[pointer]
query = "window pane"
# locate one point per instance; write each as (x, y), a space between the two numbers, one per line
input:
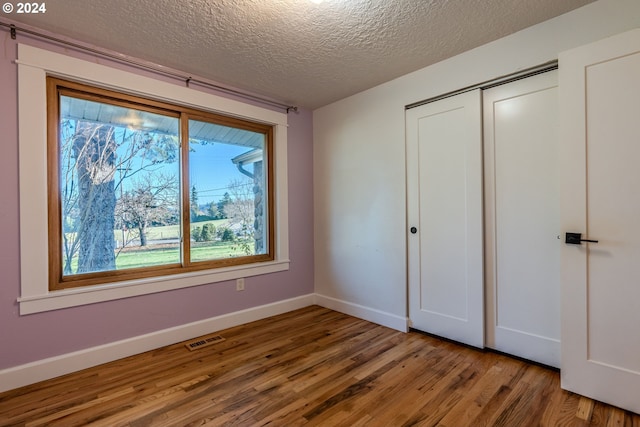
(227, 192)
(119, 187)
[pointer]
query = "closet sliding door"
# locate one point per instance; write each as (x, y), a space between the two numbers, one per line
(444, 193)
(522, 218)
(483, 217)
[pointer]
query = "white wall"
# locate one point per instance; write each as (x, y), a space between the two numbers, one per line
(359, 159)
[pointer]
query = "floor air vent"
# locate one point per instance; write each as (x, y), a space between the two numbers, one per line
(203, 342)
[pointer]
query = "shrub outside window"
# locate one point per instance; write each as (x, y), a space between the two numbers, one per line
(140, 188)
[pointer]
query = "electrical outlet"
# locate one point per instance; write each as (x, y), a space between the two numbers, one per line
(240, 284)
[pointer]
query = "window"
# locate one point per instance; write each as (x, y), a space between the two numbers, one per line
(142, 188)
(146, 98)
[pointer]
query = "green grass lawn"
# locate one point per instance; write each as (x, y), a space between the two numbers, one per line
(145, 257)
(136, 256)
(150, 256)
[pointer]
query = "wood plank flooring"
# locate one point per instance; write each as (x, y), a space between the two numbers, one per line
(310, 367)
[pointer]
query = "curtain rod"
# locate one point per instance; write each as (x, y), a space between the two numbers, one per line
(155, 68)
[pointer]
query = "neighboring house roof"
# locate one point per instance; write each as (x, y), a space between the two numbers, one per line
(79, 109)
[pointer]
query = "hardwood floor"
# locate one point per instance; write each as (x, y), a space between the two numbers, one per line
(310, 367)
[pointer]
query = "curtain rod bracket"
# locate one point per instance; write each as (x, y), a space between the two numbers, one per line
(292, 108)
(13, 32)
(188, 81)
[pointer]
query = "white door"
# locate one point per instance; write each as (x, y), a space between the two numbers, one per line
(600, 198)
(522, 218)
(444, 173)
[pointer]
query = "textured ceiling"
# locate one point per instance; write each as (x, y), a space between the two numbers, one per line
(295, 51)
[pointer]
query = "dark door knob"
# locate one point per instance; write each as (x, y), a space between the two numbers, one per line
(576, 239)
(414, 230)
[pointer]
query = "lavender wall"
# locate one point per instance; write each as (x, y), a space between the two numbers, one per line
(33, 337)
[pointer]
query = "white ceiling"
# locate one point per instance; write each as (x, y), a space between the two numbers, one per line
(294, 51)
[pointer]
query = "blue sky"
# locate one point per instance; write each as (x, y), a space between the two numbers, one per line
(211, 170)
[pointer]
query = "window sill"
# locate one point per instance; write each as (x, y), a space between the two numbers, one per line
(92, 294)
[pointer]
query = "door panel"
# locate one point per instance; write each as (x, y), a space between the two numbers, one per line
(522, 218)
(600, 181)
(444, 172)
(613, 207)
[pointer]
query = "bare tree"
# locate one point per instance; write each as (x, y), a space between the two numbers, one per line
(153, 199)
(240, 209)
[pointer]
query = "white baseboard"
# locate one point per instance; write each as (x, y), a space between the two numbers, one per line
(371, 314)
(40, 370)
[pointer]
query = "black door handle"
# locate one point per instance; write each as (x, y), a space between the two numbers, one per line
(576, 239)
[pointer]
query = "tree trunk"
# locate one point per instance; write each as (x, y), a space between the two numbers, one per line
(143, 234)
(94, 150)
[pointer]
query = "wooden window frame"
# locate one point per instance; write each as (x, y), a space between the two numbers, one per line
(57, 281)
